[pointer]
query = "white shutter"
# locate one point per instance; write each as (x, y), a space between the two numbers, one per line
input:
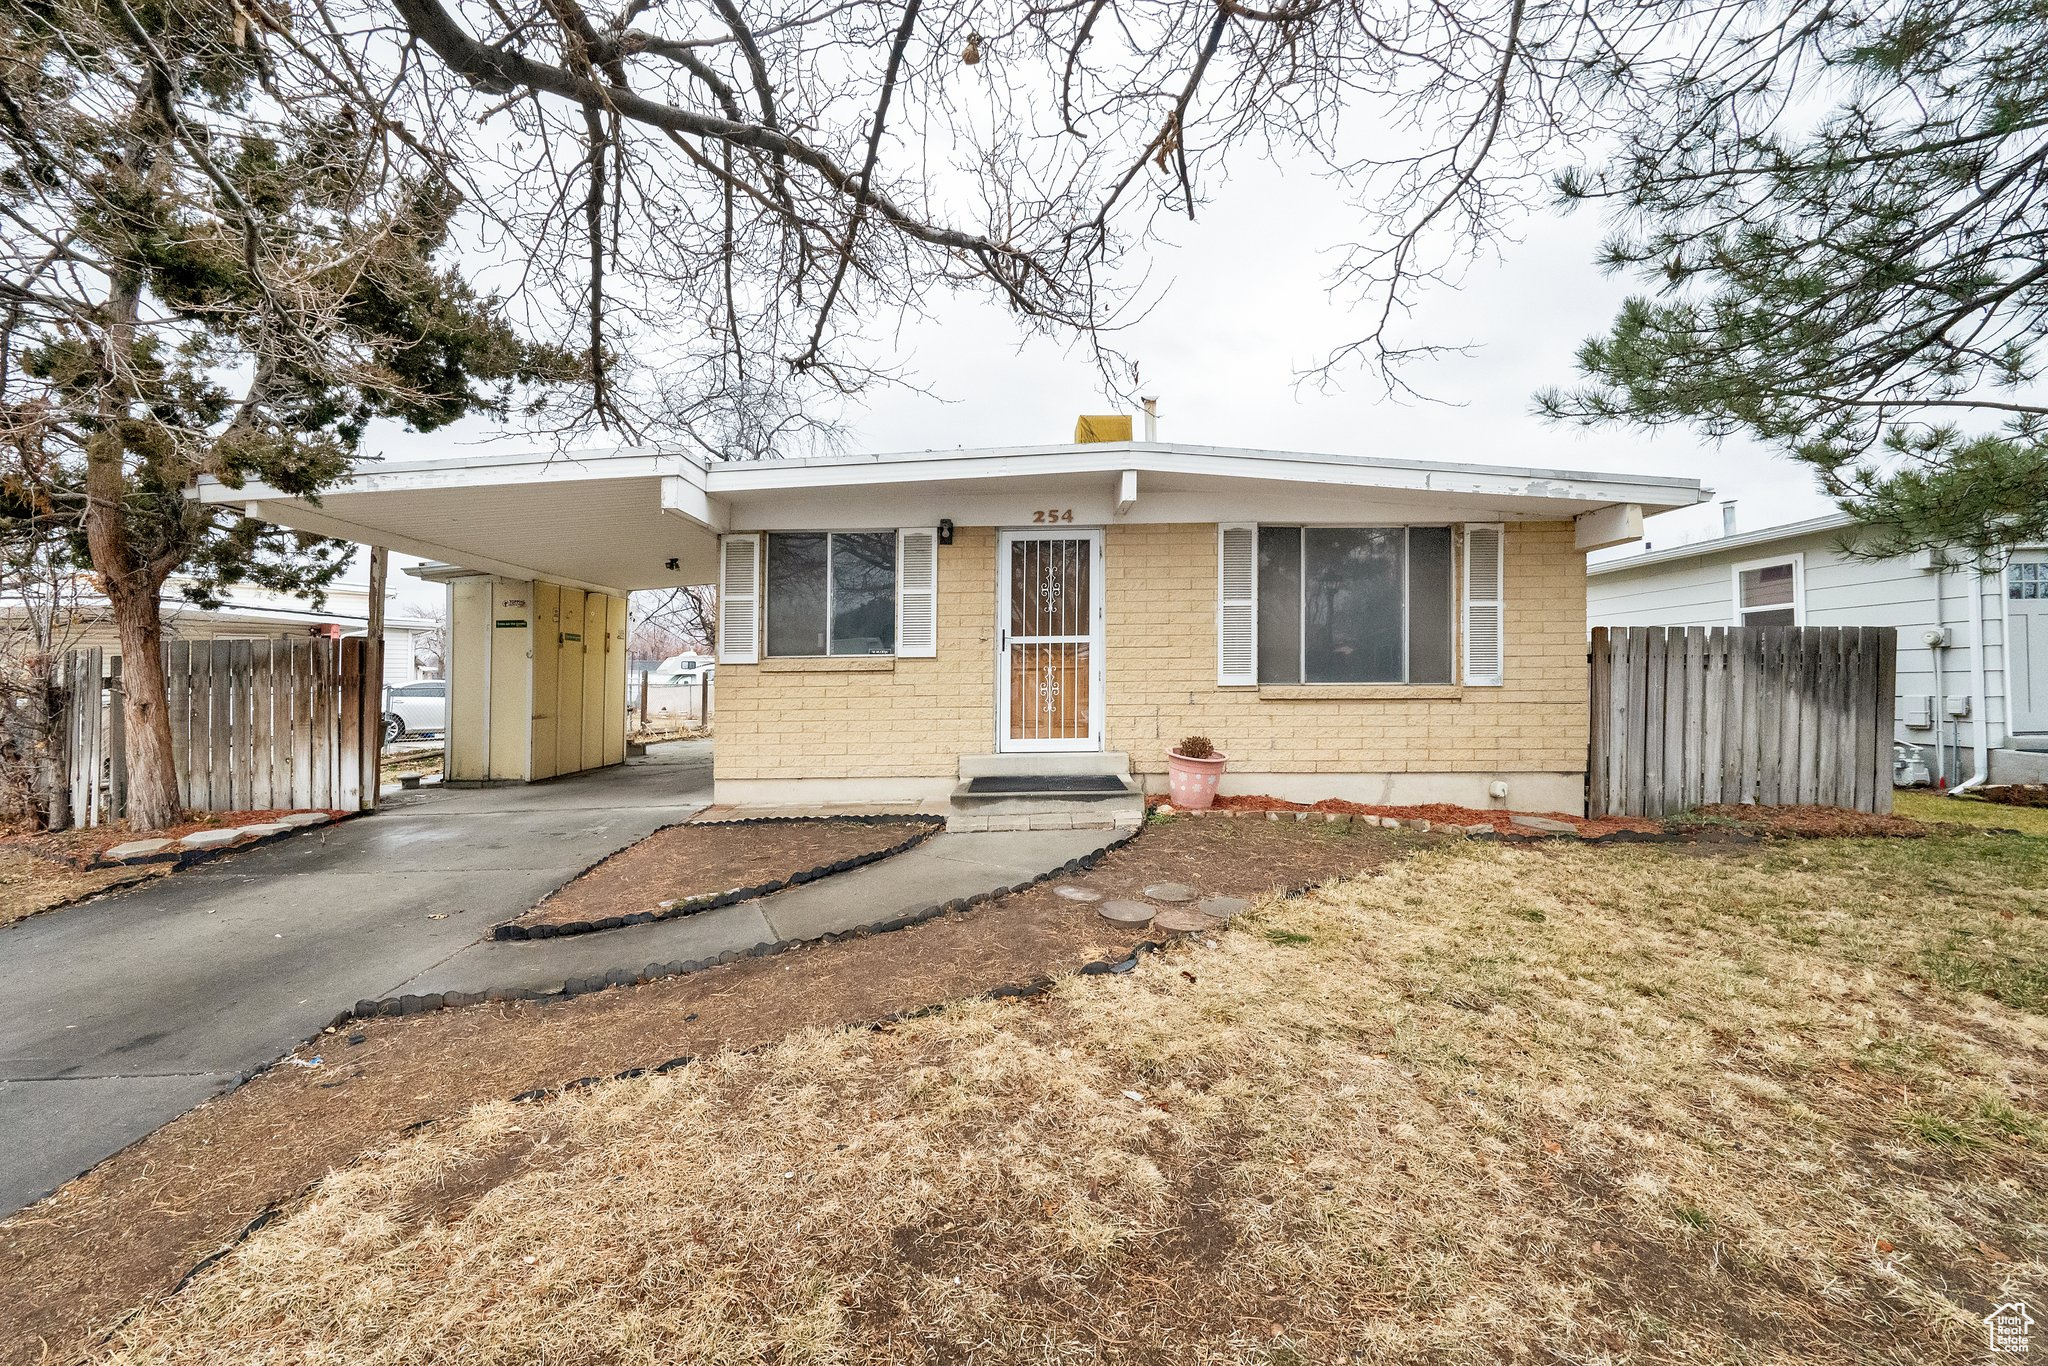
(917, 593)
(739, 599)
(1237, 606)
(1485, 605)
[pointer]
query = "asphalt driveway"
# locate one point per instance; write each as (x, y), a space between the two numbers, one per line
(122, 1014)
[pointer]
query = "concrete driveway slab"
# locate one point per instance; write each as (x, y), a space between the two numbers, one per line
(163, 994)
(67, 1126)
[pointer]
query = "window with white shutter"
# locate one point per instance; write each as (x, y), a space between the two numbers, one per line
(739, 599)
(917, 593)
(1485, 605)
(1237, 606)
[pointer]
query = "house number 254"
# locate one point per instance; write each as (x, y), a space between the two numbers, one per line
(1053, 515)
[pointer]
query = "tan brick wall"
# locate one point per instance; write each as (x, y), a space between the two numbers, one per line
(1162, 674)
(803, 719)
(776, 721)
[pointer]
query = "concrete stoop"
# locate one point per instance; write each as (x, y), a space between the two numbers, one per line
(1056, 805)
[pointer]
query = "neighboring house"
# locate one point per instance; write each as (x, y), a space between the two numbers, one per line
(249, 613)
(1385, 630)
(1953, 696)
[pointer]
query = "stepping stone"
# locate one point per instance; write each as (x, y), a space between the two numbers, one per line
(1221, 907)
(1182, 920)
(1173, 893)
(1077, 893)
(1544, 824)
(1125, 912)
(210, 839)
(136, 849)
(299, 820)
(266, 829)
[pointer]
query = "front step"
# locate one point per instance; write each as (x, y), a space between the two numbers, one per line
(1112, 762)
(1045, 802)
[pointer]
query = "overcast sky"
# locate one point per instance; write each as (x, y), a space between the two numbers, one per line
(1246, 308)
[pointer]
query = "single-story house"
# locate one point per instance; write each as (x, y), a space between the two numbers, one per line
(1973, 640)
(895, 627)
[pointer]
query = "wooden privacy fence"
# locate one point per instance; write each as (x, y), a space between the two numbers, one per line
(1692, 716)
(255, 725)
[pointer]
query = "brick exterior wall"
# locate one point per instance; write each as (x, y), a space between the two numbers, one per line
(824, 719)
(1162, 674)
(913, 718)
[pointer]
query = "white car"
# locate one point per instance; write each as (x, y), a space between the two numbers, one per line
(680, 669)
(416, 709)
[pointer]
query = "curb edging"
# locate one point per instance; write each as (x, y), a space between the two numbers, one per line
(512, 931)
(421, 1004)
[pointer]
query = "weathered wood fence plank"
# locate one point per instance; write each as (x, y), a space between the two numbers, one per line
(1684, 717)
(255, 724)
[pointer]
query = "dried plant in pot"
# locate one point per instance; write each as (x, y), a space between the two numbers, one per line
(1193, 768)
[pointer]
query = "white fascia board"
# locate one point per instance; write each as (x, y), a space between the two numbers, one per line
(685, 497)
(1095, 504)
(304, 517)
(1112, 458)
(1715, 545)
(1617, 524)
(475, 471)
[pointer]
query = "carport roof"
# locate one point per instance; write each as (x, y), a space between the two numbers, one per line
(614, 520)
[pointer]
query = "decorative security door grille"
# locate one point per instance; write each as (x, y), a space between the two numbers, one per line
(1049, 662)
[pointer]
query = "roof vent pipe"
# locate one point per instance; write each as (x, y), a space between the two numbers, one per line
(1728, 517)
(1151, 407)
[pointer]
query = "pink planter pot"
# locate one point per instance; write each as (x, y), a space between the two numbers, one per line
(1193, 781)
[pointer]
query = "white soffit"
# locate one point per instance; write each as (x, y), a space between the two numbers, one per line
(613, 520)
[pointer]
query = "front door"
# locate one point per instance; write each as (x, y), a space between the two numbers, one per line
(2026, 612)
(1049, 641)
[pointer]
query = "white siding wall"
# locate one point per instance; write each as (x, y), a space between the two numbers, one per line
(1839, 591)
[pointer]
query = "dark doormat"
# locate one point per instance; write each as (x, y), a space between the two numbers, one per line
(1075, 782)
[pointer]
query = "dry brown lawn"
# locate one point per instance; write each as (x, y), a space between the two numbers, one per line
(30, 883)
(1545, 1104)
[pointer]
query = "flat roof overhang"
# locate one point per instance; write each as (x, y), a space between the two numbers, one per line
(614, 520)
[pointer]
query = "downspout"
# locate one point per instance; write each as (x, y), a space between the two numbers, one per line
(1980, 746)
(1940, 654)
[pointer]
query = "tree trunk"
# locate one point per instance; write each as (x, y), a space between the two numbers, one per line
(152, 761)
(132, 587)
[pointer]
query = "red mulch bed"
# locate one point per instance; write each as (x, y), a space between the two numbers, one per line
(82, 846)
(690, 860)
(1436, 813)
(1795, 822)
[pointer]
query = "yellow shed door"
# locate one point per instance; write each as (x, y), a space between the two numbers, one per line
(594, 643)
(614, 750)
(569, 686)
(547, 657)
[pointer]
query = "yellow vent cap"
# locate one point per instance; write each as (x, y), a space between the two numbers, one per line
(1113, 428)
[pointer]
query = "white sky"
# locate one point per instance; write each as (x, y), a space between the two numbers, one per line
(1246, 309)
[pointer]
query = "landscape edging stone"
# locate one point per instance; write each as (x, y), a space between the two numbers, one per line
(712, 901)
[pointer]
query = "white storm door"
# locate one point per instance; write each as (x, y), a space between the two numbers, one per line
(1049, 674)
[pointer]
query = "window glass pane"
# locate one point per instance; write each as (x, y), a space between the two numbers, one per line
(2027, 582)
(1279, 604)
(796, 594)
(1352, 604)
(1769, 616)
(863, 593)
(1430, 604)
(1769, 586)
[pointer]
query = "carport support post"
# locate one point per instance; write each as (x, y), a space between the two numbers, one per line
(373, 688)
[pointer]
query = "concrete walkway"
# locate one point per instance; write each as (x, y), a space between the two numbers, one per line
(121, 1014)
(937, 871)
